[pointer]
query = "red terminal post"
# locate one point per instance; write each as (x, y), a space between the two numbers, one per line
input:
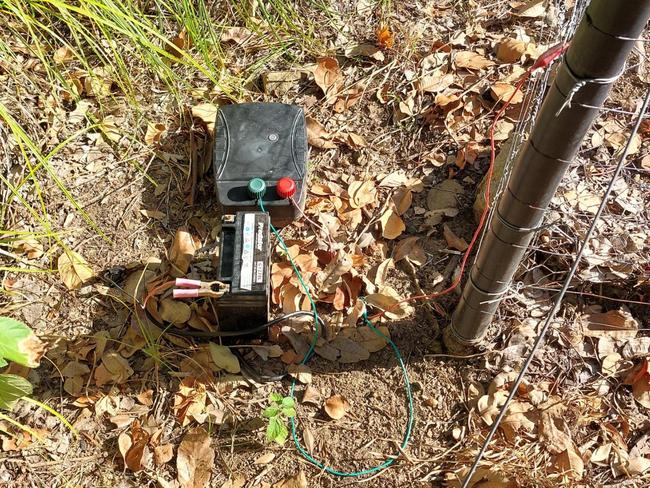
(285, 187)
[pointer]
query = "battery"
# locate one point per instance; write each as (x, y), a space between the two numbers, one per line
(244, 265)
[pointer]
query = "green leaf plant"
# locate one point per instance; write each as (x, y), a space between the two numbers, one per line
(280, 410)
(19, 344)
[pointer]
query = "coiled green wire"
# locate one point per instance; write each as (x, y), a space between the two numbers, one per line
(309, 354)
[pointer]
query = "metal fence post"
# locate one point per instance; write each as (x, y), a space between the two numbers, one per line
(594, 61)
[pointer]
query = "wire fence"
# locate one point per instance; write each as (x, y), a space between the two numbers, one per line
(594, 240)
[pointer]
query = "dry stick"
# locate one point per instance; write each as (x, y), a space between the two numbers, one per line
(558, 299)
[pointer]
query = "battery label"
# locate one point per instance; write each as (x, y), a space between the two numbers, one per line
(254, 252)
(246, 275)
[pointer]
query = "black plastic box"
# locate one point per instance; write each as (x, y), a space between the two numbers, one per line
(260, 140)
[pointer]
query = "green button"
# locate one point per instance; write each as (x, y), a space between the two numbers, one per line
(256, 188)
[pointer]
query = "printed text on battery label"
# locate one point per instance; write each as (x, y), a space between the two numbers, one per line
(259, 272)
(246, 275)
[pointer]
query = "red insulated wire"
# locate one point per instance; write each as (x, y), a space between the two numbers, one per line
(543, 62)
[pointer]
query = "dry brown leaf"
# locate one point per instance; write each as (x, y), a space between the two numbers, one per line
(311, 395)
(532, 9)
(153, 214)
(195, 459)
(488, 406)
(155, 132)
(63, 55)
(435, 83)
(471, 60)
(402, 200)
(367, 50)
(404, 247)
(645, 162)
(74, 368)
(336, 406)
(189, 401)
(410, 249)
(371, 341)
(224, 358)
(502, 130)
(300, 372)
(519, 416)
(237, 482)
(328, 77)
(618, 140)
(134, 287)
(638, 465)
(98, 83)
(145, 397)
(388, 300)
(182, 252)
(617, 324)
(179, 43)
(163, 454)
(353, 140)
(350, 350)
(132, 449)
(396, 179)
(113, 369)
(639, 379)
(73, 269)
(349, 98)
(297, 481)
(328, 279)
(308, 439)
(124, 443)
(392, 224)
(453, 240)
(567, 460)
(611, 364)
(570, 463)
(235, 34)
(110, 129)
(510, 50)
(382, 271)
(279, 83)
(174, 311)
(30, 247)
(318, 136)
(362, 193)
(600, 456)
(501, 92)
(265, 458)
(443, 198)
(206, 112)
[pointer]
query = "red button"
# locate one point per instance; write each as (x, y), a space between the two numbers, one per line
(286, 187)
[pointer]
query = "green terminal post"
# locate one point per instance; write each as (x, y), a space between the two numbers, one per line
(256, 188)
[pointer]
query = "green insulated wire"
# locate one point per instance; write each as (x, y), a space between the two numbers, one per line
(398, 356)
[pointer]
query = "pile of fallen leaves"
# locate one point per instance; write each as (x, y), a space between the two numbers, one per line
(577, 426)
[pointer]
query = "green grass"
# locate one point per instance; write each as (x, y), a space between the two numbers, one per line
(131, 43)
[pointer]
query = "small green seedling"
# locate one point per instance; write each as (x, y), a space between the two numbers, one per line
(281, 409)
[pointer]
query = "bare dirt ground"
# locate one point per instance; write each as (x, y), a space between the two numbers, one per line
(407, 110)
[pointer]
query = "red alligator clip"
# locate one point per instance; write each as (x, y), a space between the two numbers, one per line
(550, 55)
